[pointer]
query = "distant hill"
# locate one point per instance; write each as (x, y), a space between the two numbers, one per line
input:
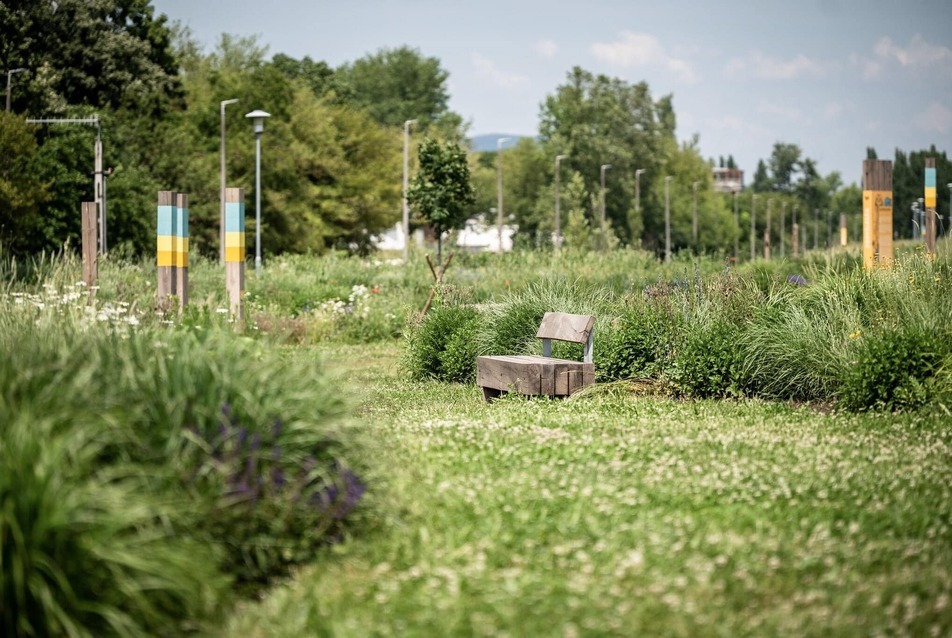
(487, 142)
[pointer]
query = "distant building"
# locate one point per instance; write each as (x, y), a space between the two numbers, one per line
(728, 180)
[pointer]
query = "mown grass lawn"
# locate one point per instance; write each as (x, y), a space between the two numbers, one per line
(613, 514)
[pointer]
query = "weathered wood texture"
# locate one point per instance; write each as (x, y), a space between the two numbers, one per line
(877, 213)
(181, 249)
(930, 204)
(542, 375)
(844, 236)
(90, 256)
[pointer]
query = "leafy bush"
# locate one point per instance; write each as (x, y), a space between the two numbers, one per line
(709, 361)
(441, 345)
(894, 370)
(637, 344)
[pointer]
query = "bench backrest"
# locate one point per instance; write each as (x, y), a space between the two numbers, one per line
(565, 327)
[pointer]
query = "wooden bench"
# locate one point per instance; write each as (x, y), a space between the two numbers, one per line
(545, 375)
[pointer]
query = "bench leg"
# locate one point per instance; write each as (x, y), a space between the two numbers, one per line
(491, 393)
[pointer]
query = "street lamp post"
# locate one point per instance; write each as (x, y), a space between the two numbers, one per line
(915, 221)
(558, 215)
(221, 219)
(667, 220)
(767, 231)
(753, 226)
(499, 214)
(694, 216)
(258, 117)
(10, 74)
(406, 186)
(602, 171)
(949, 217)
(783, 216)
(922, 217)
(736, 229)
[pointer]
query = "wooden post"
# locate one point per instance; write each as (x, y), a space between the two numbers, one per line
(877, 213)
(90, 257)
(165, 249)
(930, 203)
(843, 233)
(796, 239)
(235, 249)
(181, 249)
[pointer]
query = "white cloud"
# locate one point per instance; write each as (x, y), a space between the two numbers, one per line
(919, 57)
(641, 49)
(546, 48)
(486, 68)
(937, 118)
(784, 112)
(763, 67)
(834, 110)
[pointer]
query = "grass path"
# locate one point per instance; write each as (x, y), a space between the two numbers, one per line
(619, 515)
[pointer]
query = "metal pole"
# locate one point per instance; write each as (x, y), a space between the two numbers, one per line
(667, 220)
(98, 191)
(694, 217)
(499, 215)
(9, 79)
(767, 231)
(558, 214)
(221, 218)
(406, 186)
(736, 229)
(257, 204)
(816, 228)
(753, 226)
(783, 215)
(603, 243)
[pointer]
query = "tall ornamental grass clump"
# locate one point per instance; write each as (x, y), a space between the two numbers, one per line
(143, 469)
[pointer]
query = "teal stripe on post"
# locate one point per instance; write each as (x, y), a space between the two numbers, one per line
(234, 217)
(181, 222)
(165, 224)
(930, 178)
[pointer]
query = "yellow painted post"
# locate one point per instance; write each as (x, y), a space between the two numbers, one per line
(930, 203)
(165, 246)
(877, 213)
(235, 249)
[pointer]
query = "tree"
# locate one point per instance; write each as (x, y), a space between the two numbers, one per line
(600, 120)
(784, 162)
(108, 53)
(21, 192)
(762, 182)
(395, 85)
(441, 191)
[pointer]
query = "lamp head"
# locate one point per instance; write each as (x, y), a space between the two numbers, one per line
(257, 118)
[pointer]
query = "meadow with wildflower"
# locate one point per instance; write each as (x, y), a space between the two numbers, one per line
(330, 456)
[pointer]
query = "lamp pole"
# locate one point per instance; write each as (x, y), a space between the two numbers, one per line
(767, 231)
(406, 186)
(736, 228)
(667, 220)
(604, 168)
(258, 118)
(783, 214)
(694, 216)
(499, 142)
(922, 217)
(558, 215)
(950, 209)
(221, 219)
(10, 74)
(753, 226)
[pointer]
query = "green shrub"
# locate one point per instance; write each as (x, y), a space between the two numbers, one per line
(709, 360)
(894, 369)
(637, 344)
(442, 345)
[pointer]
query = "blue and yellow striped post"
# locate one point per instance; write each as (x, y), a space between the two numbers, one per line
(165, 249)
(235, 248)
(930, 204)
(181, 249)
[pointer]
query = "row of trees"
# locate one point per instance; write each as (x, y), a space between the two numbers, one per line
(332, 148)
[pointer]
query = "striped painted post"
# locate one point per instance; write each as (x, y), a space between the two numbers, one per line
(877, 213)
(930, 204)
(235, 248)
(181, 249)
(165, 248)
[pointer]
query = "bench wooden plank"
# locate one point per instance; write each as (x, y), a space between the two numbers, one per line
(565, 327)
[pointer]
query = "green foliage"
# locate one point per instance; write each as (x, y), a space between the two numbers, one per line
(639, 342)
(894, 369)
(709, 361)
(441, 191)
(441, 346)
(21, 192)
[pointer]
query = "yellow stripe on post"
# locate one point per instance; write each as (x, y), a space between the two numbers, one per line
(166, 258)
(235, 254)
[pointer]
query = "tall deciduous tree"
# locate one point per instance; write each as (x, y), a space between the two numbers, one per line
(441, 192)
(600, 120)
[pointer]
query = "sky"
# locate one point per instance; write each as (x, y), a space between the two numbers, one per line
(832, 76)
